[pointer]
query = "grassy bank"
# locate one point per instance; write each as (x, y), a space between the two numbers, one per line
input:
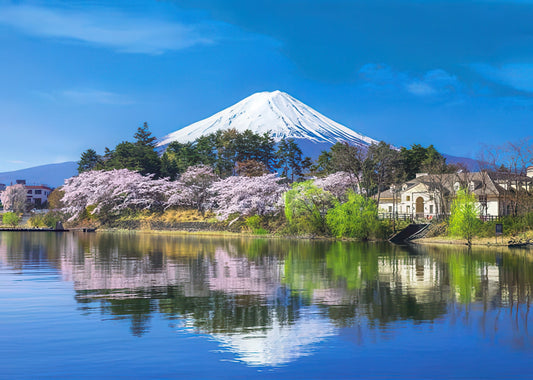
(486, 241)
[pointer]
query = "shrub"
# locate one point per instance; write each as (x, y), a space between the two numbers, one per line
(36, 220)
(356, 218)
(49, 220)
(306, 206)
(254, 222)
(10, 219)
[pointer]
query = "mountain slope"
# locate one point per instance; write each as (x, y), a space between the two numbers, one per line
(52, 174)
(277, 112)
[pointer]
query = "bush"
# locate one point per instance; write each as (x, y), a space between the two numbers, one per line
(306, 206)
(48, 220)
(10, 219)
(36, 221)
(356, 218)
(255, 222)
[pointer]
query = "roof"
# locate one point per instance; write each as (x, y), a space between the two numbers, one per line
(38, 187)
(484, 183)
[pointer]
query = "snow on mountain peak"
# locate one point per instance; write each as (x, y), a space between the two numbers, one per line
(277, 112)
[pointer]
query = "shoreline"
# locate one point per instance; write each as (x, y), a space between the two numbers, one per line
(433, 241)
(478, 242)
(215, 233)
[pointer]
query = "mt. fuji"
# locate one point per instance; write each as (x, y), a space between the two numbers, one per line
(279, 113)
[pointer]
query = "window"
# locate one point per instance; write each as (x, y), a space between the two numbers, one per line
(407, 198)
(431, 209)
(390, 208)
(407, 209)
(30, 191)
(38, 191)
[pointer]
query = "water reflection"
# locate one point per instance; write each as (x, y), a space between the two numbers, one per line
(272, 301)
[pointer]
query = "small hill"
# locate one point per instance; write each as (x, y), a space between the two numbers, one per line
(52, 175)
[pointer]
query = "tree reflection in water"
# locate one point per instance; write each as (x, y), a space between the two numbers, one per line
(270, 301)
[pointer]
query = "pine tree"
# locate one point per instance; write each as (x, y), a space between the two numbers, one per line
(144, 137)
(88, 160)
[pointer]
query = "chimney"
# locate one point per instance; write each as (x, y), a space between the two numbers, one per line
(420, 174)
(530, 171)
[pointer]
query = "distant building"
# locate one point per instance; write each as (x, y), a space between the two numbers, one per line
(21, 182)
(37, 195)
(2, 186)
(429, 195)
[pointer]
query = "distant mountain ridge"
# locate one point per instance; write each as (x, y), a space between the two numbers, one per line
(53, 175)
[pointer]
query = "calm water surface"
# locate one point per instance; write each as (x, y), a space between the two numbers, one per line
(142, 305)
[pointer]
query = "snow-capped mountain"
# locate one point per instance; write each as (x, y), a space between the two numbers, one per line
(279, 113)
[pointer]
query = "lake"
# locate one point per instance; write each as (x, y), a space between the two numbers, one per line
(160, 305)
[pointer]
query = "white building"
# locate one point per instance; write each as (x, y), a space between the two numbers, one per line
(37, 195)
(427, 196)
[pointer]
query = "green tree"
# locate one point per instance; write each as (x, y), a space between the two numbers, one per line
(356, 218)
(306, 206)
(143, 137)
(380, 168)
(419, 159)
(323, 165)
(139, 156)
(464, 220)
(289, 158)
(10, 219)
(54, 199)
(88, 160)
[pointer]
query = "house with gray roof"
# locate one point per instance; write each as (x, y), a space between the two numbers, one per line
(429, 195)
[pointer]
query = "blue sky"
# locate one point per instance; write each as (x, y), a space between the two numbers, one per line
(85, 74)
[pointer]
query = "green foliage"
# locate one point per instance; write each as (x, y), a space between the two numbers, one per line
(88, 160)
(380, 168)
(289, 156)
(374, 171)
(222, 150)
(356, 218)
(254, 222)
(512, 225)
(464, 220)
(10, 219)
(140, 158)
(419, 159)
(143, 137)
(47, 220)
(306, 206)
(139, 155)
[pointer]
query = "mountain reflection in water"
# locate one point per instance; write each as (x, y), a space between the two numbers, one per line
(272, 301)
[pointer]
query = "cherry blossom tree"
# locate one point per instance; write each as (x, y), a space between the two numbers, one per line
(14, 198)
(114, 191)
(338, 184)
(192, 188)
(248, 195)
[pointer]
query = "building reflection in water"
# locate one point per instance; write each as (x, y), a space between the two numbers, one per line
(272, 301)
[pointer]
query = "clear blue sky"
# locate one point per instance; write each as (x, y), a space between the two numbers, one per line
(85, 74)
